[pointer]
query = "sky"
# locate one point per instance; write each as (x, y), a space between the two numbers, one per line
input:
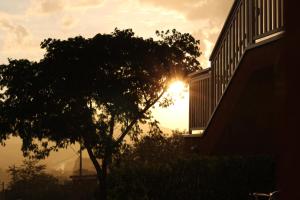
(25, 23)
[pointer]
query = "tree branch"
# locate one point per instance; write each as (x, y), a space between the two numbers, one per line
(93, 159)
(111, 125)
(134, 121)
(92, 156)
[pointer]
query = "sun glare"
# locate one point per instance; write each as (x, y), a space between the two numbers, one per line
(175, 116)
(176, 89)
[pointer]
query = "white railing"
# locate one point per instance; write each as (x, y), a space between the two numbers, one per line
(200, 98)
(249, 22)
(247, 25)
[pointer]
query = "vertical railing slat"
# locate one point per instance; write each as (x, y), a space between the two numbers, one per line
(244, 26)
(233, 45)
(190, 105)
(218, 82)
(265, 12)
(253, 18)
(212, 90)
(214, 84)
(228, 54)
(238, 37)
(217, 79)
(192, 108)
(229, 50)
(196, 104)
(246, 23)
(236, 43)
(191, 114)
(205, 102)
(240, 32)
(223, 65)
(274, 11)
(270, 5)
(221, 69)
(261, 21)
(220, 75)
(280, 13)
(201, 102)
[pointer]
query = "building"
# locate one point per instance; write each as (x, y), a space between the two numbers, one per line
(247, 102)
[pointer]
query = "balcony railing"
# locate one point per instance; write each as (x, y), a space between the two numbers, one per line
(249, 24)
(200, 99)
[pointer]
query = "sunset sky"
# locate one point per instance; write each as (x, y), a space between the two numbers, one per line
(25, 23)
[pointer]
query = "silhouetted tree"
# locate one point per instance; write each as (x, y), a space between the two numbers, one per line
(93, 91)
(30, 181)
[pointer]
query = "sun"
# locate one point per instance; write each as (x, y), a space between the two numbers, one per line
(176, 89)
(175, 116)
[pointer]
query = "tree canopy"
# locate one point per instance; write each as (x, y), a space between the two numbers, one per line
(92, 90)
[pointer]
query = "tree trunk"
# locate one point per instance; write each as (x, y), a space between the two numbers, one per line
(103, 181)
(101, 175)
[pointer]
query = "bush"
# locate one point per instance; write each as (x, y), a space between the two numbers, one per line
(30, 181)
(164, 172)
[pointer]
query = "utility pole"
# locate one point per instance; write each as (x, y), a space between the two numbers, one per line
(3, 191)
(80, 161)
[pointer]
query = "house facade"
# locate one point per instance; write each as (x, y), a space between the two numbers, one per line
(247, 102)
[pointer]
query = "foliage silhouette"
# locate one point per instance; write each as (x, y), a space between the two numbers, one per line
(95, 91)
(157, 168)
(30, 181)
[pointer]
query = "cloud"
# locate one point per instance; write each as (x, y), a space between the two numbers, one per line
(213, 10)
(4, 24)
(13, 6)
(69, 22)
(208, 15)
(174, 4)
(47, 6)
(196, 9)
(207, 34)
(18, 31)
(87, 2)
(53, 6)
(16, 41)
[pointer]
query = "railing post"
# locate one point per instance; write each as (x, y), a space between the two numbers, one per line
(251, 21)
(211, 89)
